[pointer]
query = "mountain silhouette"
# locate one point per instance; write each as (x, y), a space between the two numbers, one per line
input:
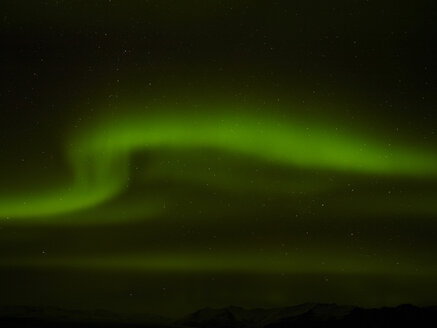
(311, 315)
(308, 315)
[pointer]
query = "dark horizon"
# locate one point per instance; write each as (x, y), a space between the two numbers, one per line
(305, 315)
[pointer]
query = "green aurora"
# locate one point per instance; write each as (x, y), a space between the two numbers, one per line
(160, 157)
(99, 157)
(241, 154)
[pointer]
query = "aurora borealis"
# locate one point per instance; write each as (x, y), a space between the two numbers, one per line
(100, 157)
(165, 157)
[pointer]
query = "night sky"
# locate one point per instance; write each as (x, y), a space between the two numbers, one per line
(163, 156)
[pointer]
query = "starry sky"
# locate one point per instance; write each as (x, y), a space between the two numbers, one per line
(163, 156)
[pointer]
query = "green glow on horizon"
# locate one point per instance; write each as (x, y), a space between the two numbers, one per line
(100, 154)
(234, 262)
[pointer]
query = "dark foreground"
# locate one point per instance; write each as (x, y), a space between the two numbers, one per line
(306, 315)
